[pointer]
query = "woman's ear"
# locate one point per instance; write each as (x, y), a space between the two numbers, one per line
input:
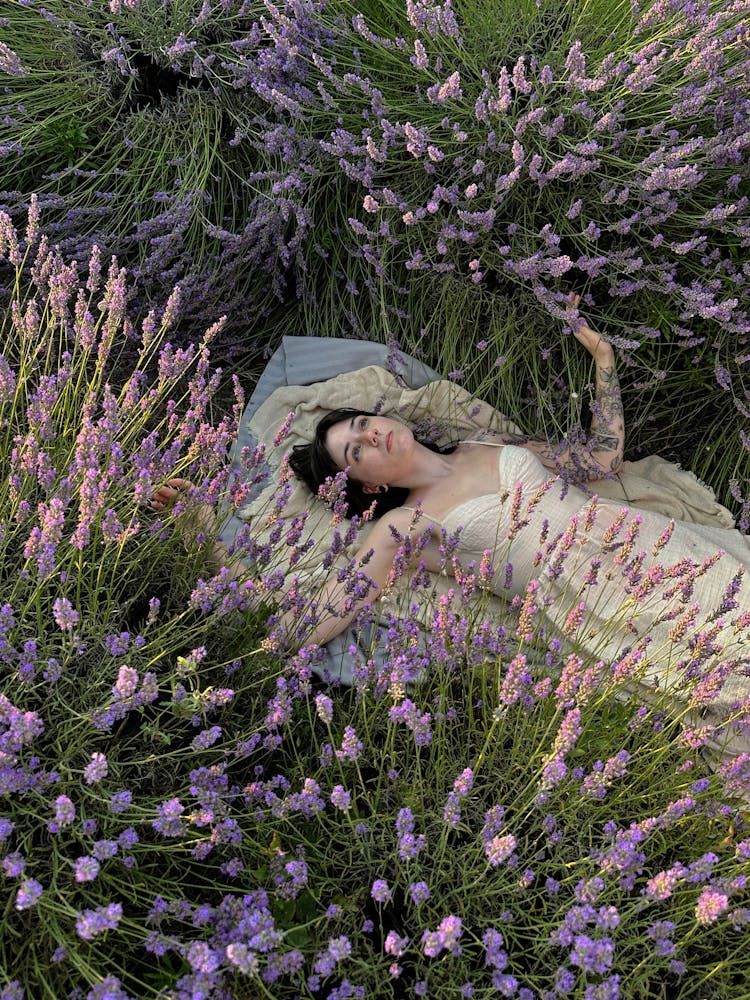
(372, 488)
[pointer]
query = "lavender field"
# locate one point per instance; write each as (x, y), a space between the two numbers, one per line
(187, 812)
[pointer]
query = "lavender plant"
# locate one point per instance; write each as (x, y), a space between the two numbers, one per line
(185, 812)
(142, 162)
(388, 161)
(600, 150)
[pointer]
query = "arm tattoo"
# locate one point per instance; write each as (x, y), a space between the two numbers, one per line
(608, 421)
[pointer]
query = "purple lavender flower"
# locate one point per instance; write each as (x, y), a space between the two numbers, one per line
(495, 954)
(65, 615)
(202, 957)
(13, 864)
(381, 891)
(409, 846)
(419, 893)
(109, 988)
(104, 849)
(170, 822)
(120, 801)
(341, 798)
(91, 923)
(96, 769)
(85, 868)
(592, 954)
(29, 894)
(206, 738)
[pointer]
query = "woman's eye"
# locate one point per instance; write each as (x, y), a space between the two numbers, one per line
(355, 453)
(363, 423)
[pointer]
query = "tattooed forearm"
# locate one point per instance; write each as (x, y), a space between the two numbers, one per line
(607, 438)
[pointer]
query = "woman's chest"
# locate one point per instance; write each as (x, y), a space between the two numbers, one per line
(474, 473)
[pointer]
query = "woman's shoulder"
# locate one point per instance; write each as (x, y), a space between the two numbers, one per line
(399, 521)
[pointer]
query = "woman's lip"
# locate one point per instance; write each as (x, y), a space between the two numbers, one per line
(388, 440)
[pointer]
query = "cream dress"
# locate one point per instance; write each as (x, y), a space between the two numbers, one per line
(663, 604)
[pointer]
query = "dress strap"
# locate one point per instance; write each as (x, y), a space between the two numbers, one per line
(491, 444)
(423, 513)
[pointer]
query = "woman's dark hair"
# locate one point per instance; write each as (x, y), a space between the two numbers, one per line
(313, 464)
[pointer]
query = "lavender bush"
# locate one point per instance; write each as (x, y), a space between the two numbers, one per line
(600, 150)
(434, 174)
(186, 813)
(116, 115)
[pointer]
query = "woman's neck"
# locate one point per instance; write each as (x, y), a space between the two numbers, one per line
(427, 468)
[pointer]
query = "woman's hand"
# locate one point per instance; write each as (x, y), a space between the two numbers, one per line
(201, 523)
(598, 346)
(203, 517)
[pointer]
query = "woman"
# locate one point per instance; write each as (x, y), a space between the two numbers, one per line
(612, 581)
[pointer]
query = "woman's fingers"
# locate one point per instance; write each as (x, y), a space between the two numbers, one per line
(181, 485)
(166, 494)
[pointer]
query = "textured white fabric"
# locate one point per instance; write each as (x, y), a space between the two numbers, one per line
(555, 534)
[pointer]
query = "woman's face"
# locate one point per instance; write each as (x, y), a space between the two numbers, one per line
(376, 450)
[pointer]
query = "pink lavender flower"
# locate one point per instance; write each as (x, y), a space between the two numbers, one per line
(85, 868)
(439, 93)
(324, 708)
(65, 811)
(96, 769)
(419, 59)
(395, 945)
(65, 615)
(445, 938)
(711, 903)
(499, 849)
(127, 683)
(240, 955)
(351, 745)
(10, 64)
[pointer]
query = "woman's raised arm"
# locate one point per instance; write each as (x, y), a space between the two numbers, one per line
(601, 454)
